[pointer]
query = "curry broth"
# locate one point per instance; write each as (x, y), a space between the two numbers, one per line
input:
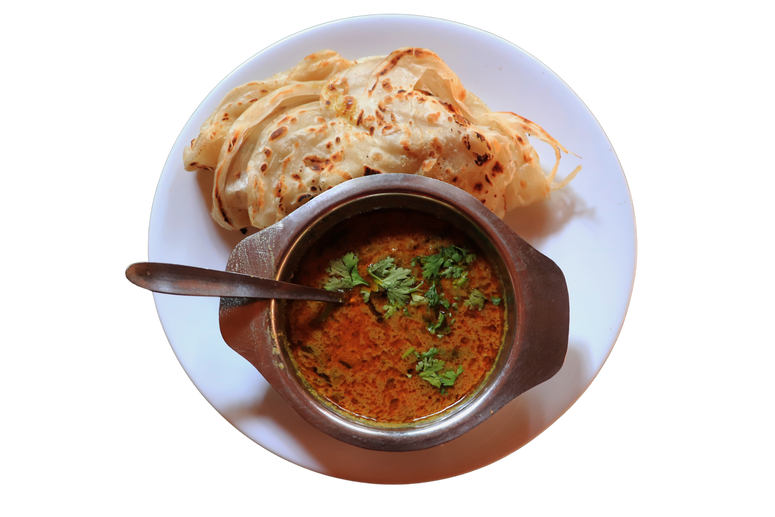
(365, 363)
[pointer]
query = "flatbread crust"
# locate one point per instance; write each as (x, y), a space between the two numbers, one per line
(283, 141)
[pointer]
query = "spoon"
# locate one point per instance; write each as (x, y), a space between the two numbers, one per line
(196, 281)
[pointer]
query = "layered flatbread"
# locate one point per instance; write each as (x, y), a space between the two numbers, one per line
(274, 145)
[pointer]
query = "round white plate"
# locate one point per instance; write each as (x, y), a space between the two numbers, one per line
(588, 229)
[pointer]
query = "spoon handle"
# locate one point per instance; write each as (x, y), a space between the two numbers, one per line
(195, 281)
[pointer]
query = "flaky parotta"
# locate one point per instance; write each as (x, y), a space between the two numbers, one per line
(274, 145)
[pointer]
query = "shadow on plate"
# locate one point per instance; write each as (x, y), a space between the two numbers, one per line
(540, 221)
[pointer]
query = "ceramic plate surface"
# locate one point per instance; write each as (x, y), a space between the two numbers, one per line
(588, 229)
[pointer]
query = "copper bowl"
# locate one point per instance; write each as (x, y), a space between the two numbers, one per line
(535, 296)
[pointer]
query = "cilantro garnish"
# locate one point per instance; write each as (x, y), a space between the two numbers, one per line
(397, 282)
(449, 262)
(435, 298)
(418, 299)
(428, 368)
(462, 280)
(394, 307)
(453, 272)
(431, 265)
(437, 328)
(346, 268)
(475, 300)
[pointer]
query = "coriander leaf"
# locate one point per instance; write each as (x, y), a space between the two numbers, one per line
(449, 262)
(495, 301)
(434, 367)
(433, 296)
(381, 268)
(475, 300)
(426, 358)
(347, 269)
(449, 377)
(428, 364)
(453, 272)
(456, 254)
(418, 299)
(335, 284)
(433, 327)
(452, 254)
(439, 327)
(428, 369)
(390, 309)
(431, 266)
(396, 281)
(430, 353)
(432, 378)
(462, 280)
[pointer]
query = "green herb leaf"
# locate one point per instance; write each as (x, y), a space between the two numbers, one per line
(431, 266)
(432, 378)
(449, 377)
(397, 282)
(346, 268)
(418, 299)
(390, 309)
(439, 327)
(428, 360)
(453, 272)
(495, 301)
(433, 327)
(475, 300)
(462, 281)
(449, 262)
(428, 369)
(433, 296)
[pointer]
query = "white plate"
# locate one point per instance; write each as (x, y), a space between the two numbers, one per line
(588, 228)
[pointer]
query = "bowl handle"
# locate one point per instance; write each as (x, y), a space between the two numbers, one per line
(543, 317)
(246, 323)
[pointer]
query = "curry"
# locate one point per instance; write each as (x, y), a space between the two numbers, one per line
(422, 325)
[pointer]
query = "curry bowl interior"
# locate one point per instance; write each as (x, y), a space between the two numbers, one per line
(317, 229)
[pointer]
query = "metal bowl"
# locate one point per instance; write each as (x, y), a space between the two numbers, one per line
(535, 296)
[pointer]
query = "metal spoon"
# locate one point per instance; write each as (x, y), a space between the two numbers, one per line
(195, 281)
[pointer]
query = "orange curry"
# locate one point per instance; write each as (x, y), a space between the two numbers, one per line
(385, 361)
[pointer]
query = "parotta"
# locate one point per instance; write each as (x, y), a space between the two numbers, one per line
(273, 145)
